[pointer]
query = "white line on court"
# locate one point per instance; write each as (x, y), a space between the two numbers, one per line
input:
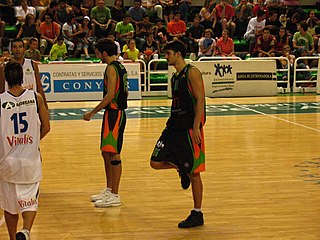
(268, 115)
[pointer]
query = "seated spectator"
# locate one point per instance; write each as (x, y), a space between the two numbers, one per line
(49, 33)
(62, 13)
(207, 45)
(33, 52)
(225, 45)
(293, 6)
(303, 64)
(112, 38)
(78, 13)
(88, 4)
(292, 24)
(283, 20)
(313, 22)
(136, 12)
(40, 5)
(281, 41)
(183, 6)
(284, 64)
(49, 10)
(275, 6)
(22, 11)
(85, 37)
(168, 8)
(150, 48)
(273, 23)
(58, 50)
(124, 30)
(29, 29)
(118, 11)
(177, 28)
(225, 14)
(260, 7)
(264, 45)
(101, 17)
(195, 33)
(7, 13)
(160, 32)
(132, 53)
(243, 14)
(70, 33)
(208, 15)
(142, 28)
(153, 8)
(254, 29)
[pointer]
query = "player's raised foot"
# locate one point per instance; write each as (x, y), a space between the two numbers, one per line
(103, 194)
(24, 234)
(195, 219)
(111, 201)
(185, 180)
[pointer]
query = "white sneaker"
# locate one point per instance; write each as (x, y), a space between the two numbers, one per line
(103, 194)
(24, 234)
(111, 201)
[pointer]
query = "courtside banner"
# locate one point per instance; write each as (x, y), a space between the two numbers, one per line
(75, 82)
(235, 78)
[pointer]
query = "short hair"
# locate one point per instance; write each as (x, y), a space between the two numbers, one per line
(60, 38)
(17, 40)
(261, 13)
(126, 15)
(304, 26)
(176, 46)
(208, 30)
(33, 40)
(106, 45)
(13, 73)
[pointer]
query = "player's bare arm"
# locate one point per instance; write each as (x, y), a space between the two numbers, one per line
(198, 91)
(111, 73)
(44, 117)
(39, 84)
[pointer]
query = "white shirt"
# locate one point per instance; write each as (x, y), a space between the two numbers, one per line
(19, 12)
(254, 26)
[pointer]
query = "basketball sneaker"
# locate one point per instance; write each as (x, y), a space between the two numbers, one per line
(111, 201)
(103, 194)
(195, 219)
(24, 234)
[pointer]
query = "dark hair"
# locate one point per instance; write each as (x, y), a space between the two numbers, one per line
(106, 45)
(284, 39)
(17, 40)
(176, 46)
(13, 73)
(5, 50)
(60, 38)
(304, 26)
(261, 13)
(126, 15)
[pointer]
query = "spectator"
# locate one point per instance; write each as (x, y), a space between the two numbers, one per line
(29, 29)
(260, 6)
(284, 64)
(101, 17)
(62, 13)
(225, 45)
(313, 22)
(208, 15)
(225, 14)
(243, 14)
(40, 5)
(118, 11)
(132, 53)
(303, 39)
(160, 33)
(283, 20)
(142, 29)
(281, 41)
(49, 10)
(195, 33)
(112, 38)
(177, 28)
(167, 9)
(273, 23)
(183, 8)
(5, 53)
(254, 29)
(85, 37)
(7, 13)
(88, 4)
(264, 45)
(49, 33)
(33, 51)
(70, 33)
(275, 6)
(124, 30)
(22, 11)
(150, 48)
(153, 8)
(293, 6)
(292, 24)
(58, 50)
(137, 12)
(207, 45)
(78, 13)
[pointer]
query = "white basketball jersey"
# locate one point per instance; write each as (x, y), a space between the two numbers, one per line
(20, 160)
(29, 79)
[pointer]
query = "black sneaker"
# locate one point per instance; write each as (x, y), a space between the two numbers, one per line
(24, 234)
(185, 180)
(195, 219)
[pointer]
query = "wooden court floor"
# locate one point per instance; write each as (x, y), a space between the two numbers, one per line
(262, 178)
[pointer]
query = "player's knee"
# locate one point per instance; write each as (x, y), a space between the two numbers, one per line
(115, 162)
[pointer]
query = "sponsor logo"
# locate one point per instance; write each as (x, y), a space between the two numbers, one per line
(27, 203)
(45, 79)
(133, 84)
(222, 70)
(81, 85)
(26, 139)
(8, 105)
(11, 105)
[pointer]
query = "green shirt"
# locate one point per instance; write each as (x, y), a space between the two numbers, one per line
(102, 15)
(123, 29)
(58, 51)
(34, 55)
(305, 40)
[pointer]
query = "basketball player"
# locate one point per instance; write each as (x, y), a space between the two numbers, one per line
(24, 120)
(31, 75)
(114, 120)
(181, 145)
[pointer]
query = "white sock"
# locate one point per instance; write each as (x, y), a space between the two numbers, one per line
(197, 209)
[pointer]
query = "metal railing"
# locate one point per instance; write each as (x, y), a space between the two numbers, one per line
(304, 85)
(143, 73)
(150, 71)
(218, 58)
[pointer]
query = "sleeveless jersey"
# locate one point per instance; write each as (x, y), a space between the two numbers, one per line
(183, 102)
(29, 79)
(121, 92)
(20, 160)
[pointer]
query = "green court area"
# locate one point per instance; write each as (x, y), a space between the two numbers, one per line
(229, 109)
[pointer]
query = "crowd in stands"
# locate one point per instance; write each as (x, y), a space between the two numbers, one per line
(68, 28)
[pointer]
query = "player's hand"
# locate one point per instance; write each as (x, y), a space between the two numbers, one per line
(196, 136)
(87, 116)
